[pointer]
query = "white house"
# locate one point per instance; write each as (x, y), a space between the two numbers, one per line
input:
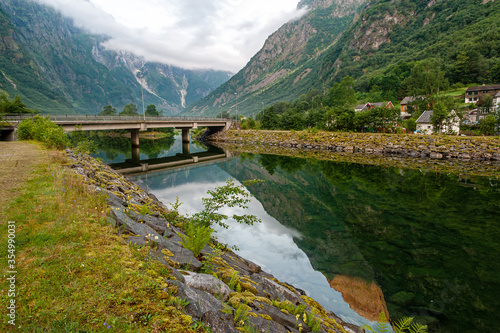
(496, 101)
(450, 126)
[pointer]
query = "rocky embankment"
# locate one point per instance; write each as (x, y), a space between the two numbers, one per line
(223, 290)
(431, 146)
(475, 156)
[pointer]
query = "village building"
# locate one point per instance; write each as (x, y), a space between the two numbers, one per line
(496, 102)
(474, 94)
(370, 106)
(450, 126)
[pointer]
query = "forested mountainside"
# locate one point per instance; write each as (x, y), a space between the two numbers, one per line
(56, 67)
(376, 42)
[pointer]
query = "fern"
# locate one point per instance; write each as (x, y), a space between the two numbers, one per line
(240, 316)
(234, 282)
(418, 328)
(404, 325)
(196, 237)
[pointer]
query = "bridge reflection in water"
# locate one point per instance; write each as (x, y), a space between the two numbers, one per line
(185, 159)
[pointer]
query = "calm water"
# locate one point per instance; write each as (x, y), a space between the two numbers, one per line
(428, 242)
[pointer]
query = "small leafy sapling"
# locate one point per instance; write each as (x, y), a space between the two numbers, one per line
(199, 228)
(228, 195)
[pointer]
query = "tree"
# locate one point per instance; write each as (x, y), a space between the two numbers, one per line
(108, 110)
(251, 122)
(487, 125)
(439, 115)
(14, 106)
(342, 94)
(486, 105)
(269, 119)
(426, 78)
(129, 110)
(341, 119)
(151, 111)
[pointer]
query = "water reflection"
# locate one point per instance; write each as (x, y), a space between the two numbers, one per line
(269, 244)
(425, 243)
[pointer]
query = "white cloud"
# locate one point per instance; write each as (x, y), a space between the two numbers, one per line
(218, 34)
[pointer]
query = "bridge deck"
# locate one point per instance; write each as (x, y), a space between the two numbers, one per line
(96, 123)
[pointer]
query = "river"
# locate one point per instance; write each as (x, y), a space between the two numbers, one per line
(360, 239)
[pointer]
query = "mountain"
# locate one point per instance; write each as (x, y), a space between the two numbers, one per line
(376, 42)
(283, 67)
(57, 67)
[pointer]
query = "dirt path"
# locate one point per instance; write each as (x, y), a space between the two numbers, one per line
(17, 160)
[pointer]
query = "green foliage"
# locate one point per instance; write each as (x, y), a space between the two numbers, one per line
(427, 78)
(404, 325)
(488, 125)
(129, 110)
(151, 111)
(82, 142)
(228, 195)
(342, 94)
(12, 106)
(196, 237)
(43, 130)
(312, 321)
(234, 282)
(108, 110)
(240, 315)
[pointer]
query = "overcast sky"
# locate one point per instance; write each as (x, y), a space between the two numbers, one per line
(217, 34)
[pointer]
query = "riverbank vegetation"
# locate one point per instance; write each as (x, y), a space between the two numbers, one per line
(73, 272)
(335, 110)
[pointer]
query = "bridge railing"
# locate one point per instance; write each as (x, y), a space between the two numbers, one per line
(84, 118)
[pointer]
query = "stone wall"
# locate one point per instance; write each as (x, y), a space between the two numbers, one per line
(427, 146)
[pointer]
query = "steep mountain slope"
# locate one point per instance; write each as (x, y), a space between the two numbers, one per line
(462, 34)
(73, 73)
(364, 44)
(283, 68)
(20, 75)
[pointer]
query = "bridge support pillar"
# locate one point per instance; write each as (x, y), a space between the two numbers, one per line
(134, 138)
(136, 155)
(185, 135)
(185, 148)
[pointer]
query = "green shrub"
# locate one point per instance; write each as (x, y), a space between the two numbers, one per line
(197, 236)
(43, 130)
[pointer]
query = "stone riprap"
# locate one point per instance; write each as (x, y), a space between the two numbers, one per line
(411, 145)
(270, 305)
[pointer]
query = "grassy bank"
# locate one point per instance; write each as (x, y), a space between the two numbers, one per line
(73, 272)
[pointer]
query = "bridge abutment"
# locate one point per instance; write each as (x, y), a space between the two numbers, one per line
(8, 134)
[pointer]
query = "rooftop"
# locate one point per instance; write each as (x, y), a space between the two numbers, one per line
(478, 88)
(425, 117)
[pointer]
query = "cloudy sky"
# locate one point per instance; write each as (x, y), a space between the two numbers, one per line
(217, 34)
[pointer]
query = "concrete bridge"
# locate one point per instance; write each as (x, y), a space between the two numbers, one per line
(134, 124)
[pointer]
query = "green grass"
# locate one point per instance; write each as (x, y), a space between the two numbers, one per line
(455, 92)
(73, 272)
